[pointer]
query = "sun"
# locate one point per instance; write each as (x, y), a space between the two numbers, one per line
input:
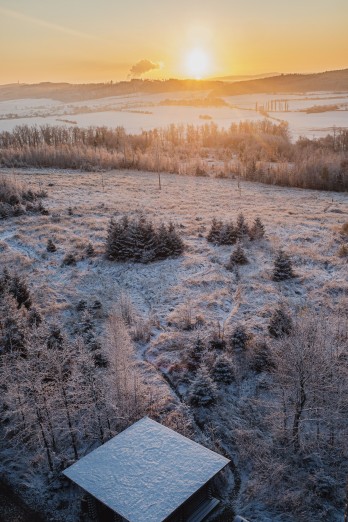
(197, 63)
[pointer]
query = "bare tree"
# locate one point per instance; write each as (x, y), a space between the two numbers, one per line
(311, 380)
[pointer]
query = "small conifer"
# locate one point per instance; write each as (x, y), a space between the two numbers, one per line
(242, 229)
(238, 256)
(282, 267)
(195, 354)
(90, 250)
(202, 391)
(51, 247)
(257, 231)
(239, 338)
(214, 232)
(223, 370)
(228, 234)
(280, 323)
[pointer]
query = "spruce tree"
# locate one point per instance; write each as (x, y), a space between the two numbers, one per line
(214, 232)
(51, 247)
(13, 327)
(90, 250)
(195, 354)
(257, 230)
(202, 391)
(280, 323)
(282, 267)
(223, 370)
(261, 358)
(218, 342)
(34, 318)
(228, 234)
(142, 240)
(242, 229)
(238, 256)
(18, 288)
(117, 243)
(55, 338)
(176, 244)
(69, 260)
(239, 338)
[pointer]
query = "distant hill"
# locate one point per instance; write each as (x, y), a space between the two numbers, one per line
(68, 92)
(288, 83)
(243, 77)
(336, 81)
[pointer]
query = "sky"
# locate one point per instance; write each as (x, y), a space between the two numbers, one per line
(103, 40)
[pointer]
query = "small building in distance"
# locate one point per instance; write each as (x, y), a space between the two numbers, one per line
(148, 473)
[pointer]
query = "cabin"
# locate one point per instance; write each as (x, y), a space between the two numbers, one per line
(148, 473)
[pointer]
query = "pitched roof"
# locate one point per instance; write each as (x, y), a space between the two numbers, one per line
(146, 472)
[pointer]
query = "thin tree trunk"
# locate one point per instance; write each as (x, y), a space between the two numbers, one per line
(72, 435)
(45, 441)
(298, 412)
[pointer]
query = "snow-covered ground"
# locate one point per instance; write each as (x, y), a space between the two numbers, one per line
(305, 223)
(197, 285)
(141, 112)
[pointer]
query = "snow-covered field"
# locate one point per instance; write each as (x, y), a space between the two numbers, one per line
(141, 112)
(305, 223)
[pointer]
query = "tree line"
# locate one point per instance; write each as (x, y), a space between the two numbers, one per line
(256, 151)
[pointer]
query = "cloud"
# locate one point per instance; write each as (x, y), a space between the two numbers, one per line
(142, 67)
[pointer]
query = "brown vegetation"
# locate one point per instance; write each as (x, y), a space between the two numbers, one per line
(256, 151)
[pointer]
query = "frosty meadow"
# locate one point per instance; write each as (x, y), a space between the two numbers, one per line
(173, 261)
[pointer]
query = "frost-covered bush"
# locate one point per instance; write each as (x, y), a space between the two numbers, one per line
(16, 286)
(138, 240)
(16, 198)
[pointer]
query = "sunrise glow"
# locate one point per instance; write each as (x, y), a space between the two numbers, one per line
(197, 63)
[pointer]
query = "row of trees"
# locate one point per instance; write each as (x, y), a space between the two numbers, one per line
(229, 233)
(207, 135)
(256, 151)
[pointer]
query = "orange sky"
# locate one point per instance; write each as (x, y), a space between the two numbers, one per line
(85, 40)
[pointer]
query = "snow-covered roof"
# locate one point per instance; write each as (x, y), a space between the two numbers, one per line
(146, 472)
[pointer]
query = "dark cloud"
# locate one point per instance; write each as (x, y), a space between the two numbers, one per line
(142, 67)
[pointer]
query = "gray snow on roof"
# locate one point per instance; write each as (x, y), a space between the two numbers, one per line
(146, 472)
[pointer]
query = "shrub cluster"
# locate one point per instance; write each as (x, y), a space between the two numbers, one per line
(139, 241)
(15, 286)
(229, 233)
(16, 199)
